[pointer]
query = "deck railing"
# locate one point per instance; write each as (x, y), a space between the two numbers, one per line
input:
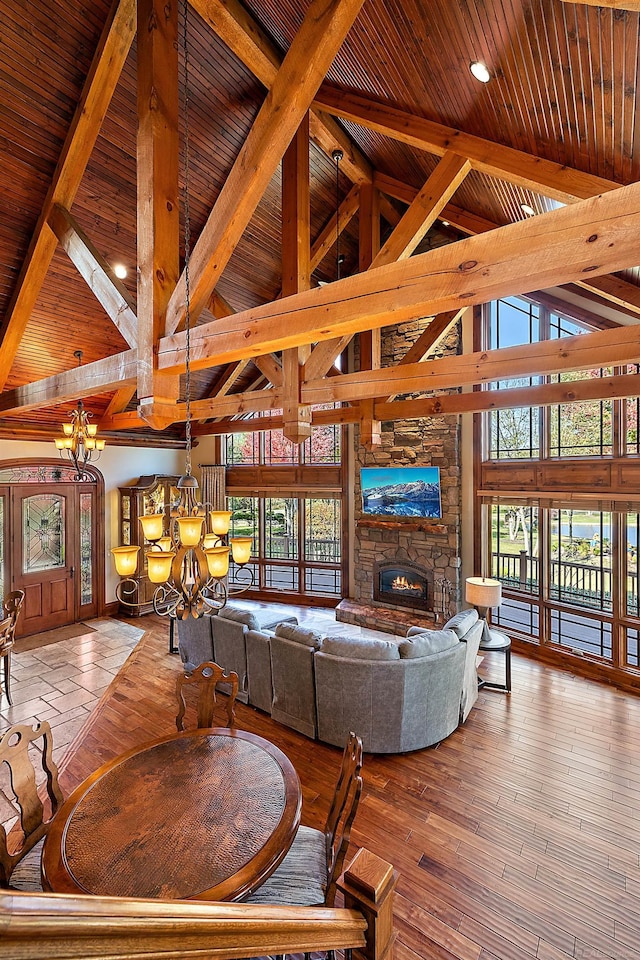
(33, 925)
(569, 580)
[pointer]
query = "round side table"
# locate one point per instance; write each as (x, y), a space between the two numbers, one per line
(496, 642)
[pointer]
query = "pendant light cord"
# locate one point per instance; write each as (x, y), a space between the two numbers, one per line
(187, 240)
(337, 157)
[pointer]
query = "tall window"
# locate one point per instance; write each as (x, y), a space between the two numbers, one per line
(270, 447)
(562, 430)
(297, 536)
(297, 542)
(567, 556)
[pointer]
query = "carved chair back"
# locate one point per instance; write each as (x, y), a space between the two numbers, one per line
(208, 676)
(7, 639)
(342, 812)
(11, 605)
(23, 795)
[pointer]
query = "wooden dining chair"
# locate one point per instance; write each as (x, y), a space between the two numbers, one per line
(208, 676)
(307, 876)
(20, 849)
(11, 606)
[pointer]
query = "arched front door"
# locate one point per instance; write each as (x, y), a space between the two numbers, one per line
(52, 543)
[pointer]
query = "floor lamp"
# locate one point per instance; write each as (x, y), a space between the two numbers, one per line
(484, 594)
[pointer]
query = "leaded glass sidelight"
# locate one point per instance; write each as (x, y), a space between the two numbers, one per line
(86, 548)
(43, 532)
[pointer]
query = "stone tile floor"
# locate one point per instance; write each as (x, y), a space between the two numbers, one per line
(63, 681)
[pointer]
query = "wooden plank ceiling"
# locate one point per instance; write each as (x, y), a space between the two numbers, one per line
(423, 142)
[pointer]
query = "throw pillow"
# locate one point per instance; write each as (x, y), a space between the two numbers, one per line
(462, 622)
(427, 643)
(304, 635)
(357, 649)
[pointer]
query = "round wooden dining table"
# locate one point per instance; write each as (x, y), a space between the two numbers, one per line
(206, 815)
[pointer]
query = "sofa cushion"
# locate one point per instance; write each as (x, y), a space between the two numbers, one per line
(304, 635)
(360, 649)
(245, 617)
(462, 622)
(427, 643)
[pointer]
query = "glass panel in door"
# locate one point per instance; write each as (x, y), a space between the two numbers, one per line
(43, 533)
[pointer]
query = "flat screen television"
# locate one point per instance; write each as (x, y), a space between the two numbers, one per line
(404, 492)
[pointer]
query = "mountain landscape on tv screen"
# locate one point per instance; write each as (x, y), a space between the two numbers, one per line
(411, 498)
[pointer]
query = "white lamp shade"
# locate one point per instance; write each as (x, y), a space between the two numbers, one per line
(483, 592)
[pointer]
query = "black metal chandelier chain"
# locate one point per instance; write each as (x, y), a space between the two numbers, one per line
(187, 239)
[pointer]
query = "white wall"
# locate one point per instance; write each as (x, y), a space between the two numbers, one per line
(119, 466)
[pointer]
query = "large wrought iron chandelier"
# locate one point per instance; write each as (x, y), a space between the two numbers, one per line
(79, 438)
(189, 564)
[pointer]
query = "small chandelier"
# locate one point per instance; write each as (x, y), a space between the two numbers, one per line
(189, 565)
(79, 439)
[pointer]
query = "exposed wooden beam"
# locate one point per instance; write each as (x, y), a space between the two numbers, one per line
(327, 236)
(325, 26)
(534, 173)
(296, 274)
(101, 376)
(103, 76)
(158, 220)
(219, 307)
(243, 34)
(424, 209)
(452, 404)
(323, 357)
(228, 378)
(540, 395)
(123, 420)
(236, 404)
(611, 288)
(119, 402)
(431, 336)
(96, 272)
(270, 367)
(339, 415)
(594, 236)
(633, 5)
(614, 289)
(600, 349)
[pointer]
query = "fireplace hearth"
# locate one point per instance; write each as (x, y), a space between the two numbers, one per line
(403, 583)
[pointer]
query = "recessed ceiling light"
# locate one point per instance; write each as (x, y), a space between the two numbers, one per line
(528, 209)
(445, 223)
(120, 271)
(480, 71)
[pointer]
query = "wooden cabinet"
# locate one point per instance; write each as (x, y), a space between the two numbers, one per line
(151, 494)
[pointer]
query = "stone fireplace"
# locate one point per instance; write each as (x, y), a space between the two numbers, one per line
(409, 544)
(403, 583)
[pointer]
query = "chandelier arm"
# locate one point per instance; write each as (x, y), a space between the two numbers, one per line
(244, 579)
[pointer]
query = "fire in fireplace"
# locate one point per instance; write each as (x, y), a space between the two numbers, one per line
(402, 583)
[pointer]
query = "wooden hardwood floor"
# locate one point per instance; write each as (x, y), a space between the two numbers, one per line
(516, 837)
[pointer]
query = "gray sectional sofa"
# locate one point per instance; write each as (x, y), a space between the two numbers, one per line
(399, 694)
(223, 639)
